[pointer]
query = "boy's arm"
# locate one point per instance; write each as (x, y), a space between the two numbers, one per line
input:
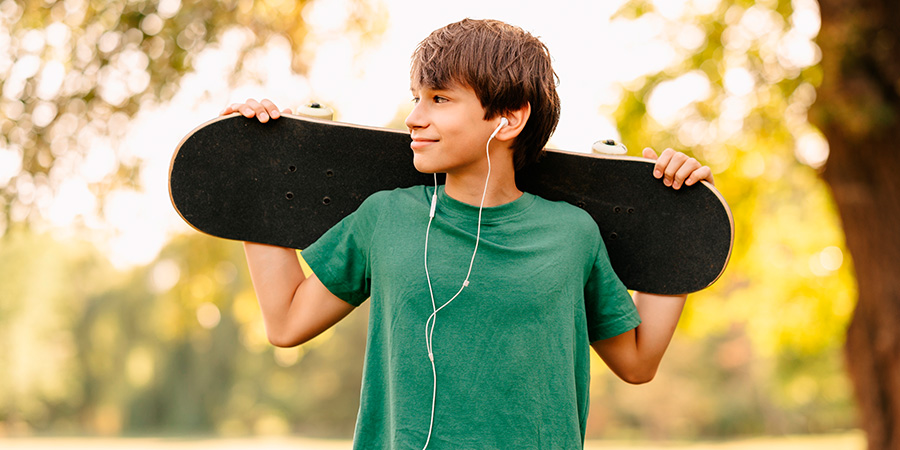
(635, 355)
(295, 308)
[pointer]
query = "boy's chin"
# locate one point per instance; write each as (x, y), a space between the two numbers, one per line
(424, 167)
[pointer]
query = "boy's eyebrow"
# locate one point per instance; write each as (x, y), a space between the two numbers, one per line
(444, 89)
(428, 90)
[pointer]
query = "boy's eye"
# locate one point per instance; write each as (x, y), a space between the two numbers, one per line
(435, 99)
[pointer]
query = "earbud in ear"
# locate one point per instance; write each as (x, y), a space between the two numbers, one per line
(503, 123)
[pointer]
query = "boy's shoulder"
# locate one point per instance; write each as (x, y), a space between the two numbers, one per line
(564, 213)
(393, 201)
(385, 198)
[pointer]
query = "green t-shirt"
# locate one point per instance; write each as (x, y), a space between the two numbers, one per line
(512, 352)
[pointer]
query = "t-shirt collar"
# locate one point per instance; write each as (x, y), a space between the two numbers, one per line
(450, 205)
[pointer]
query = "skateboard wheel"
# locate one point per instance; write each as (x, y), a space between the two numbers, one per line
(316, 111)
(609, 147)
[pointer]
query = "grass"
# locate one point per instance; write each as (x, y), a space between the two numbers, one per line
(847, 441)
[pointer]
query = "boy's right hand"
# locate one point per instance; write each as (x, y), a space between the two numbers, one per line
(251, 108)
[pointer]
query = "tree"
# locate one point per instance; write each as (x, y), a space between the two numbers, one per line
(858, 109)
(731, 82)
(73, 73)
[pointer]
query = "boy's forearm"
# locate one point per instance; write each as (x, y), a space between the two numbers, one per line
(659, 317)
(276, 275)
(635, 355)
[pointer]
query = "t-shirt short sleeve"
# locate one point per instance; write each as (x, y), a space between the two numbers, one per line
(609, 308)
(341, 257)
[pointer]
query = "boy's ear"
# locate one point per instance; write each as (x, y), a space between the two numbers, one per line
(517, 120)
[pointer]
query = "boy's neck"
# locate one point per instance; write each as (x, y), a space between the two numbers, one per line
(468, 187)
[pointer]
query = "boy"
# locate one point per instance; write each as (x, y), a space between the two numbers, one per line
(521, 286)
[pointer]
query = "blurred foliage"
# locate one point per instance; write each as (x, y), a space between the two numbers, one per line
(73, 72)
(118, 352)
(178, 346)
(767, 337)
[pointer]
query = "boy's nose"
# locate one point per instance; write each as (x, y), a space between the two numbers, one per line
(415, 118)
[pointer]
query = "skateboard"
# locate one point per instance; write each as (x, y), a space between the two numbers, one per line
(288, 181)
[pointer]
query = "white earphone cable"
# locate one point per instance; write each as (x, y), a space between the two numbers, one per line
(432, 319)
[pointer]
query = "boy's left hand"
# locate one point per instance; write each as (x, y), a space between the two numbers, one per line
(677, 169)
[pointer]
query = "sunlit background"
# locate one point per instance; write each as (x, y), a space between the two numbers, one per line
(117, 319)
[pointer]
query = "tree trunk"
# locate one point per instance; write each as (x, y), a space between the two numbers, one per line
(858, 110)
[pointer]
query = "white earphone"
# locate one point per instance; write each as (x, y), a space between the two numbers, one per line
(432, 319)
(503, 122)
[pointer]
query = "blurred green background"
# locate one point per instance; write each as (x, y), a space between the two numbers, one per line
(115, 319)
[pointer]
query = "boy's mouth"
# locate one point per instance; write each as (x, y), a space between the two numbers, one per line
(419, 143)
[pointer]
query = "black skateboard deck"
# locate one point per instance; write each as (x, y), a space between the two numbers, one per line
(288, 181)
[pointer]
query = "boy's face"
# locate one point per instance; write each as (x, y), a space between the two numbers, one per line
(448, 130)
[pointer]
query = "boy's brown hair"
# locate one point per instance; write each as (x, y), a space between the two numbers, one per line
(507, 68)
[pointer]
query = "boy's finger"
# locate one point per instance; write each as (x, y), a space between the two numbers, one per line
(669, 163)
(232, 108)
(684, 172)
(675, 163)
(270, 108)
(258, 110)
(662, 163)
(703, 173)
(649, 153)
(246, 109)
